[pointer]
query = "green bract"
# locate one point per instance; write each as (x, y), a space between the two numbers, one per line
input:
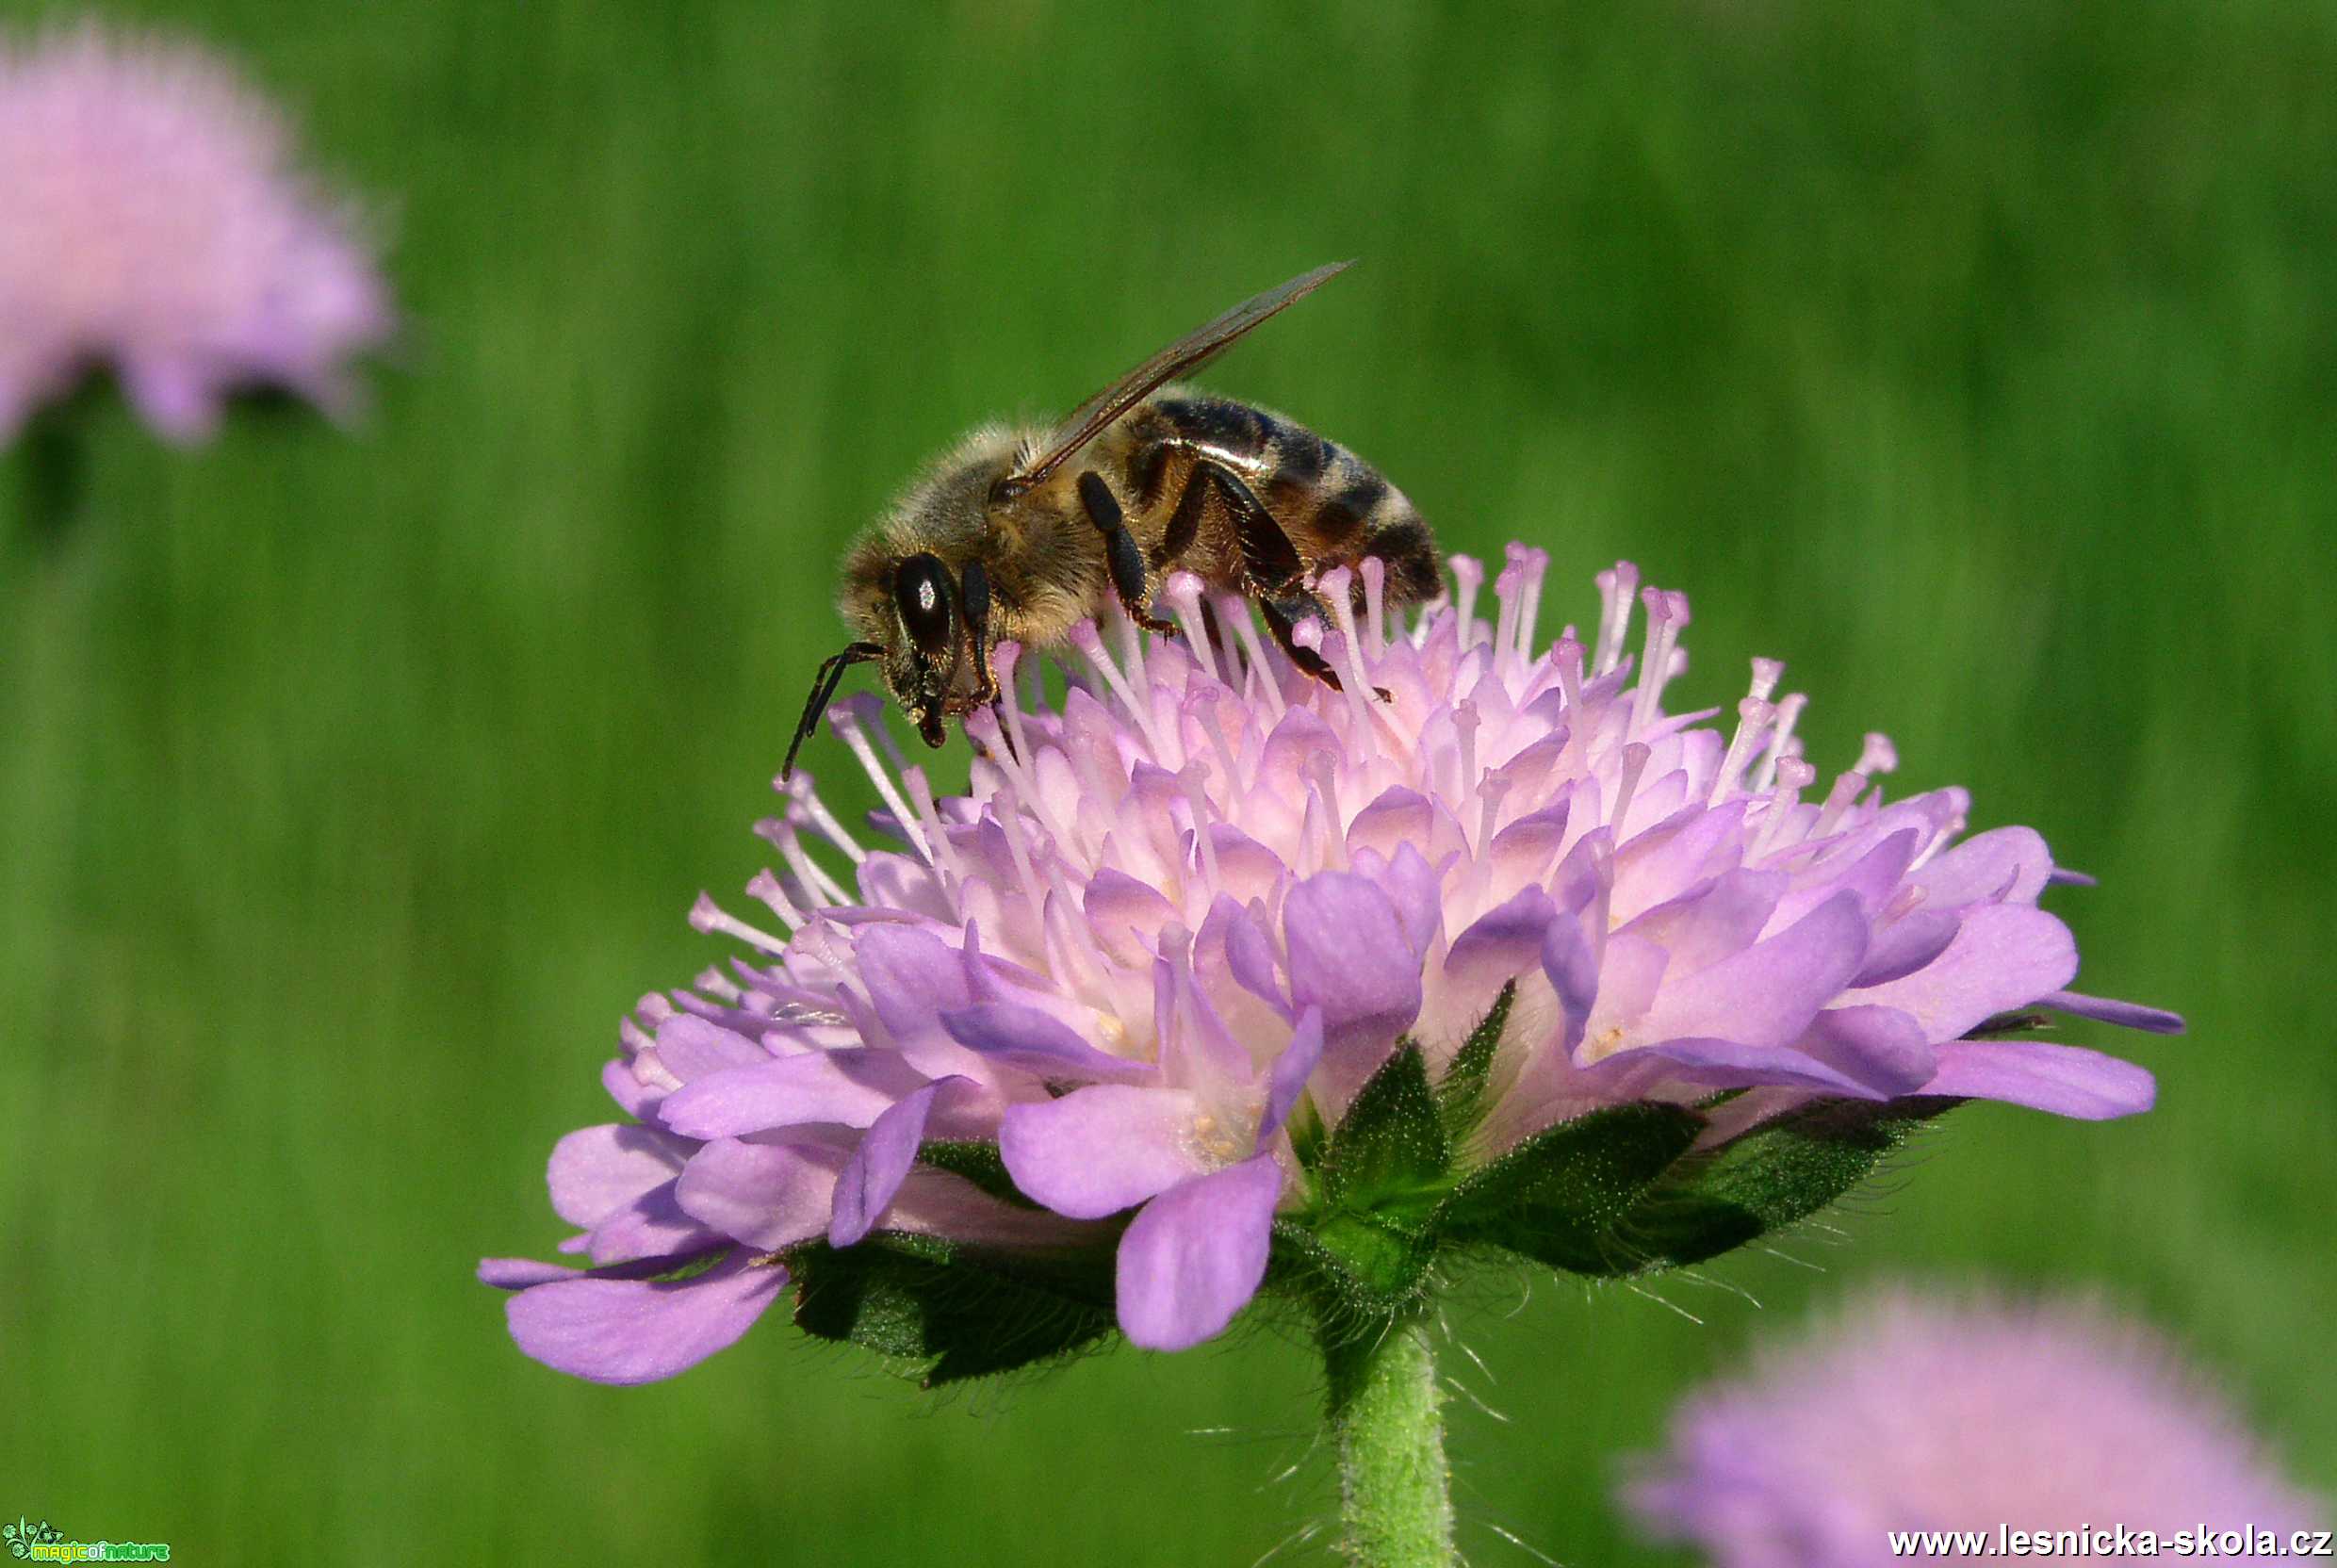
(1398, 1196)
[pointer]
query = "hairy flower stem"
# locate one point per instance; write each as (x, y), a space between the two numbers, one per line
(1395, 1493)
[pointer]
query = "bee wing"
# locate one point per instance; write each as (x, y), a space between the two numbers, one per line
(1187, 354)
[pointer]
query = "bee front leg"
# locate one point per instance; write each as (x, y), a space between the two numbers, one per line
(973, 594)
(1120, 551)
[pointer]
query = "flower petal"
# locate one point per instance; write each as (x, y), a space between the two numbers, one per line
(2067, 1079)
(1291, 1071)
(638, 1330)
(520, 1273)
(767, 1195)
(1501, 943)
(690, 1048)
(852, 1087)
(1101, 1148)
(596, 1171)
(908, 973)
(1035, 1041)
(2007, 865)
(1351, 956)
(1718, 1064)
(2103, 1009)
(1196, 1255)
(1881, 1049)
(1769, 993)
(651, 1226)
(878, 1165)
(2004, 955)
(1905, 945)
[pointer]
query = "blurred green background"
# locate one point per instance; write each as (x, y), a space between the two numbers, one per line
(1980, 361)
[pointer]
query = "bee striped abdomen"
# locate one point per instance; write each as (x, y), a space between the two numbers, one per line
(1334, 508)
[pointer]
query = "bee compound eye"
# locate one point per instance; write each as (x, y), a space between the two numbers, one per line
(921, 594)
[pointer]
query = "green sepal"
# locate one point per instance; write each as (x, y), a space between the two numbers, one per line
(1781, 1172)
(950, 1311)
(1390, 1154)
(976, 1161)
(1460, 1097)
(1348, 1264)
(1558, 1197)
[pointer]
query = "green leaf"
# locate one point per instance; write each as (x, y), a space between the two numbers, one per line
(953, 1311)
(1461, 1097)
(1782, 1171)
(1559, 1196)
(1389, 1154)
(977, 1162)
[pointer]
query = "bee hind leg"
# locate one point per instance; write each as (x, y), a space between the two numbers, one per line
(1310, 661)
(1272, 565)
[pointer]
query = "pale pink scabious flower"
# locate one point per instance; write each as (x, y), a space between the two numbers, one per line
(152, 223)
(1909, 1410)
(1177, 921)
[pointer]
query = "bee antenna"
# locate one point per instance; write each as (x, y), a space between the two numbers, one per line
(822, 692)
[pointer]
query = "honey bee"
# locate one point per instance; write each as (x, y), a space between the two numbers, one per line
(1021, 534)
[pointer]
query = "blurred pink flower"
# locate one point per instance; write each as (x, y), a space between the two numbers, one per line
(154, 225)
(1912, 1412)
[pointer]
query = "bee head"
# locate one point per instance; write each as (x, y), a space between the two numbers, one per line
(920, 662)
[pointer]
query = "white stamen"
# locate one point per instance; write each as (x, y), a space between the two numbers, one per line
(1195, 778)
(1004, 659)
(1009, 814)
(848, 723)
(1204, 705)
(944, 852)
(1131, 645)
(1183, 593)
(1847, 788)
(1753, 716)
(1781, 741)
(1793, 776)
(772, 893)
(1233, 610)
(1536, 566)
(1567, 656)
(713, 982)
(1491, 791)
(1616, 589)
(821, 887)
(1469, 575)
(1090, 645)
(801, 791)
(1072, 945)
(1465, 722)
(1322, 769)
(714, 920)
(1375, 602)
(1353, 683)
(1634, 762)
(1667, 612)
(1508, 588)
